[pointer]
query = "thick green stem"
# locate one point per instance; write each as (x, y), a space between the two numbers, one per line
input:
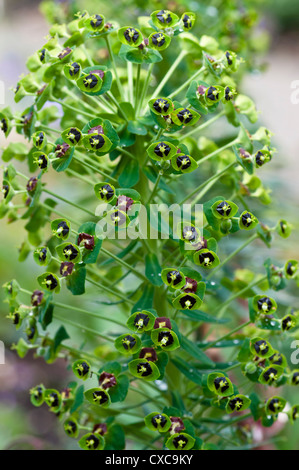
(119, 85)
(167, 76)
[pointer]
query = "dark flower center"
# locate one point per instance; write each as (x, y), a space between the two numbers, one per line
(164, 17)
(264, 304)
(158, 39)
(187, 301)
(261, 347)
(174, 277)
(141, 320)
(128, 342)
(185, 116)
(62, 229)
(180, 441)
(206, 259)
(131, 35)
(74, 69)
(221, 384)
(162, 150)
(106, 192)
(144, 369)
(96, 21)
(70, 252)
(161, 105)
(183, 162)
(165, 338)
(159, 420)
(213, 93)
(97, 141)
(100, 397)
(223, 208)
(74, 135)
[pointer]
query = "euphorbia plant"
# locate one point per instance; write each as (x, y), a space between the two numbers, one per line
(129, 141)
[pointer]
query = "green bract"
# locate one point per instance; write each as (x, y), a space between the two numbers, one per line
(53, 399)
(98, 396)
(50, 282)
(39, 139)
(247, 221)
(42, 256)
(130, 36)
(81, 369)
(71, 428)
(161, 106)
(97, 142)
(183, 163)
(105, 192)
(173, 278)
(164, 18)
(237, 403)
(157, 422)
(270, 375)
(69, 252)
(37, 395)
(185, 117)
(261, 347)
(220, 384)
(291, 268)
(161, 151)
(224, 209)
(180, 441)
(187, 302)
(95, 23)
(206, 258)
(264, 305)
(72, 136)
(275, 405)
(61, 228)
(128, 344)
(188, 19)
(72, 71)
(141, 321)
(144, 369)
(165, 338)
(92, 441)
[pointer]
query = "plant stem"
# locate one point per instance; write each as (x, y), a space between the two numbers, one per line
(123, 263)
(219, 150)
(130, 82)
(145, 87)
(137, 87)
(110, 291)
(155, 188)
(234, 253)
(68, 202)
(238, 328)
(240, 293)
(117, 105)
(87, 312)
(182, 87)
(204, 125)
(213, 178)
(83, 327)
(167, 76)
(72, 108)
(119, 85)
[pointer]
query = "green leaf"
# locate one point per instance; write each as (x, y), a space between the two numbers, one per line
(76, 281)
(64, 162)
(130, 174)
(189, 372)
(146, 300)
(153, 269)
(79, 398)
(203, 316)
(137, 128)
(59, 337)
(194, 351)
(120, 390)
(46, 313)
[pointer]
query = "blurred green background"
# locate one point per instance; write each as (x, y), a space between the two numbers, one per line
(23, 29)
